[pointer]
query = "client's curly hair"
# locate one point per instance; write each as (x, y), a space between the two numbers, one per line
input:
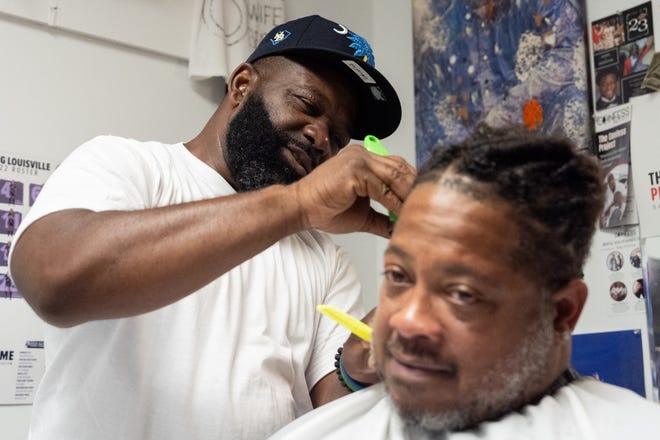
(556, 193)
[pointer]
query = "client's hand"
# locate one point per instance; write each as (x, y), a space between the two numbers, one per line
(356, 356)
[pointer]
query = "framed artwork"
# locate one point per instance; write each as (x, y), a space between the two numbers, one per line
(499, 62)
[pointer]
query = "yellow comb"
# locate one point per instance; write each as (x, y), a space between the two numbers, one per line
(357, 327)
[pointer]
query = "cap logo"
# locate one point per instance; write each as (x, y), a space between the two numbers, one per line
(342, 31)
(362, 49)
(279, 37)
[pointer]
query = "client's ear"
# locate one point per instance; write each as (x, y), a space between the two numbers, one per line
(567, 303)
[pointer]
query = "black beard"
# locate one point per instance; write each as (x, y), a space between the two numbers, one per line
(253, 148)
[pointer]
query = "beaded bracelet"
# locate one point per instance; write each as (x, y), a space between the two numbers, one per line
(346, 380)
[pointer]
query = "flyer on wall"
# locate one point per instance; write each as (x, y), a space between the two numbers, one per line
(614, 276)
(612, 147)
(622, 50)
(646, 177)
(616, 301)
(21, 342)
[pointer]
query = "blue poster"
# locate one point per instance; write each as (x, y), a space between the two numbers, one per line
(613, 357)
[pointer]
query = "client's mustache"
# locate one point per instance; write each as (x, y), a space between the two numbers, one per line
(421, 351)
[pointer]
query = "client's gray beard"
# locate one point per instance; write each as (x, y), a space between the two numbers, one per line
(522, 369)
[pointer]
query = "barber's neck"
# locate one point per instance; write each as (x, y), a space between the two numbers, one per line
(208, 145)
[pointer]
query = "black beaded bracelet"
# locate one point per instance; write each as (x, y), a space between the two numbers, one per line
(347, 381)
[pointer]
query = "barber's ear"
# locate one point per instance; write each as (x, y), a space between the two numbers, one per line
(568, 302)
(241, 81)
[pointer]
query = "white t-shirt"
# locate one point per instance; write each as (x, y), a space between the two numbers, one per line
(236, 359)
(585, 409)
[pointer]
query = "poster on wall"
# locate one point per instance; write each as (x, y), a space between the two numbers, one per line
(622, 50)
(21, 346)
(646, 163)
(646, 177)
(614, 276)
(622, 47)
(612, 139)
(518, 62)
(614, 357)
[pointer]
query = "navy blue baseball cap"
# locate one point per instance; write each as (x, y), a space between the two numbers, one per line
(379, 112)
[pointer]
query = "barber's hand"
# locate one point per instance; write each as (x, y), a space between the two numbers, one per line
(356, 356)
(335, 196)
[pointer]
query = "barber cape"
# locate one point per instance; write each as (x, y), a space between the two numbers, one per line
(586, 409)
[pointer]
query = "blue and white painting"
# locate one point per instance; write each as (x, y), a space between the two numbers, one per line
(499, 62)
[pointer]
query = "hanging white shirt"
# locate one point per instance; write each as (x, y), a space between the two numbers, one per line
(224, 33)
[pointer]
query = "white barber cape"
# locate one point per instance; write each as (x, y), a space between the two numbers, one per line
(585, 409)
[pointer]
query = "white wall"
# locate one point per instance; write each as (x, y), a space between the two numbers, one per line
(59, 89)
(160, 27)
(62, 87)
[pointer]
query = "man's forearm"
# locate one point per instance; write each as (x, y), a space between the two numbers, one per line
(101, 265)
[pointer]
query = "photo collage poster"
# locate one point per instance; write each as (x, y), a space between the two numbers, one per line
(21, 342)
(622, 49)
(622, 52)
